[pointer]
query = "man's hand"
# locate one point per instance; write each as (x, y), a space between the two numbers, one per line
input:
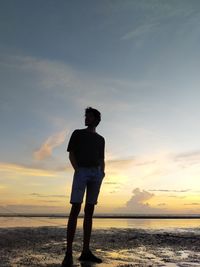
(73, 160)
(102, 166)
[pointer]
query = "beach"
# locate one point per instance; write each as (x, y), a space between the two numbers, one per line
(118, 247)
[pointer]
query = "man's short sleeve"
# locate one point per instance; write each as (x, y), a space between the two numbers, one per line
(72, 142)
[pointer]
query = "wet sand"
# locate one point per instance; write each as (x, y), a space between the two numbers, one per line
(45, 246)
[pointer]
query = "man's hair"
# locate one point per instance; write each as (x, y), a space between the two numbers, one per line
(95, 112)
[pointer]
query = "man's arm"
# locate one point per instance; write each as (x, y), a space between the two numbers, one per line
(102, 157)
(102, 165)
(73, 160)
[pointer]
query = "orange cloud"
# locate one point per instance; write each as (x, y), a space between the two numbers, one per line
(46, 148)
(17, 170)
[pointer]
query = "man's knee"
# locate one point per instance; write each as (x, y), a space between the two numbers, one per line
(75, 209)
(89, 210)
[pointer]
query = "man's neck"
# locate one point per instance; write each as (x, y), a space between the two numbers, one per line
(91, 129)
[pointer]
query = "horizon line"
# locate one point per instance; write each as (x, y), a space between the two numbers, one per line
(107, 216)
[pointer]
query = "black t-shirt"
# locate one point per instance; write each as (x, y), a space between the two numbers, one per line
(88, 148)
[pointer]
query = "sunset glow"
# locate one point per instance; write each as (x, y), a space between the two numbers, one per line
(135, 61)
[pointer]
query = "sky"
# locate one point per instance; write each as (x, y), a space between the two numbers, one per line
(138, 63)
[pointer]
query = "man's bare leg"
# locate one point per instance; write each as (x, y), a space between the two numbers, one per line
(71, 227)
(87, 226)
(87, 255)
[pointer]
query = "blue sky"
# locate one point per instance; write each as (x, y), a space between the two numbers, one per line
(137, 62)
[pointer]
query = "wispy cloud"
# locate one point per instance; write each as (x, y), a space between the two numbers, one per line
(46, 196)
(111, 183)
(140, 30)
(20, 170)
(161, 204)
(159, 18)
(45, 151)
(189, 157)
(50, 74)
(50, 201)
(176, 196)
(72, 86)
(15, 209)
(131, 161)
(192, 204)
(168, 190)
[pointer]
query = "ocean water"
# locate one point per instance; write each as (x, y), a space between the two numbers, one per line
(106, 223)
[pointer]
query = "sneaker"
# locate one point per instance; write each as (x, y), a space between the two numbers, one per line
(89, 256)
(68, 260)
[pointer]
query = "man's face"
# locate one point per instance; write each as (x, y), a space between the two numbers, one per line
(90, 119)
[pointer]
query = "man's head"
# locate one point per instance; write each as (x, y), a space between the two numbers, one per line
(92, 117)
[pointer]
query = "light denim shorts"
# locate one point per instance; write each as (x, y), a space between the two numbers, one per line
(89, 180)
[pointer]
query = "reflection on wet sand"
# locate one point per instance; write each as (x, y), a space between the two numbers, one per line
(45, 246)
(102, 223)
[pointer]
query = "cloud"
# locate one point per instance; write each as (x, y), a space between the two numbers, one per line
(153, 171)
(45, 196)
(140, 30)
(20, 170)
(168, 190)
(192, 204)
(175, 196)
(189, 157)
(49, 73)
(111, 183)
(138, 203)
(156, 15)
(131, 161)
(17, 209)
(139, 198)
(75, 88)
(112, 192)
(50, 201)
(45, 151)
(162, 204)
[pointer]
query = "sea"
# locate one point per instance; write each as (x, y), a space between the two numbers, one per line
(191, 224)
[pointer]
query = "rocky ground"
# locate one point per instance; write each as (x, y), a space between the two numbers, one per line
(45, 246)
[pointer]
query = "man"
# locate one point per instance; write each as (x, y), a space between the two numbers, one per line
(86, 154)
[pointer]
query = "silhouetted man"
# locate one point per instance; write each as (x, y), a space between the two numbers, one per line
(86, 154)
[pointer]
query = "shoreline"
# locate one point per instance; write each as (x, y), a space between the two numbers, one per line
(103, 216)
